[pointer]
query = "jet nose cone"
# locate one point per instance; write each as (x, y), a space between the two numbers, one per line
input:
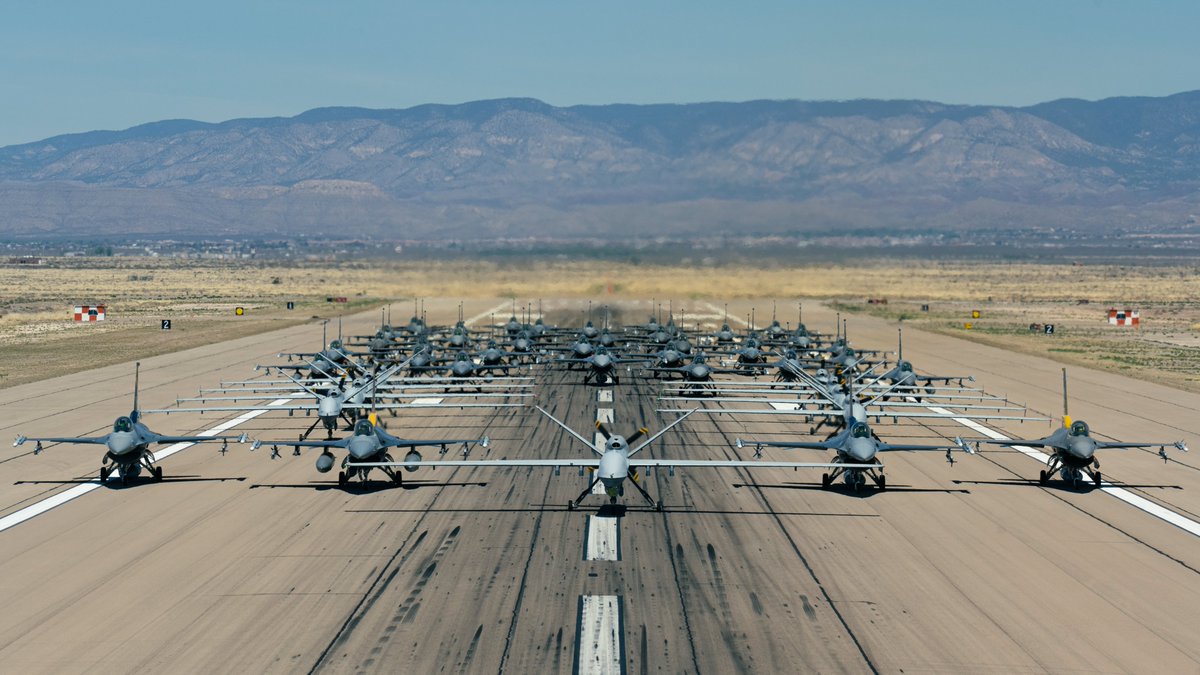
(361, 448)
(862, 450)
(120, 443)
(1083, 448)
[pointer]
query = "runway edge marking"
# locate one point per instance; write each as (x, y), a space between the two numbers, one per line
(33, 510)
(1176, 519)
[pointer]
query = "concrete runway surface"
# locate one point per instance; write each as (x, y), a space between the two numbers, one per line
(239, 563)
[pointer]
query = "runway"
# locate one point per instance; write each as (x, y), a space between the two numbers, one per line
(240, 563)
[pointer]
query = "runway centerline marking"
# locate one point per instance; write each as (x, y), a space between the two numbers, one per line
(1137, 501)
(604, 415)
(33, 510)
(604, 396)
(600, 641)
(602, 541)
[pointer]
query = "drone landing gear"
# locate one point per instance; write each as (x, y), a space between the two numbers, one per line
(657, 506)
(573, 504)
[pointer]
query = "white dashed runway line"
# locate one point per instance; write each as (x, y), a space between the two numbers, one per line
(603, 539)
(601, 640)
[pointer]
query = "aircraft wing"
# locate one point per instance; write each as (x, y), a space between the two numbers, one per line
(405, 443)
(584, 462)
(235, 408)
(1039, 443)
(808, 445)
(745, 463)
(884, 447)
(241, 438)
(1179, 445)
(89, 440)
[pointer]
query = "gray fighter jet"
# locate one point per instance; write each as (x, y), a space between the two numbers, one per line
(129, 443)
(1073, 449)
(369, 443)
(855, 446)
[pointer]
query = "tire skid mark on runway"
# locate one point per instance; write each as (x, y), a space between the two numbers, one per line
(674, 556)
(749, 481)
(406, 611)
(533, 544)
(387, 573)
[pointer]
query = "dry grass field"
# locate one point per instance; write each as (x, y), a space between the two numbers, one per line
(39, 339)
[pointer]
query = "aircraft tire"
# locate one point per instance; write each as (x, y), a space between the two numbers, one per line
(571, 506)
(882, 482)
(658, 506)
(1096, 478)
(104, 471)
(825, 481)
(341, 479)
(1042, 478)
(157, 473)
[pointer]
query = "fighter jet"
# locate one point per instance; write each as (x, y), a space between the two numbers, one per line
(129, 443)
(855, 446)
(696, 375)
(602, 366)
(368, 443)
(615, 464)
(1073, 449)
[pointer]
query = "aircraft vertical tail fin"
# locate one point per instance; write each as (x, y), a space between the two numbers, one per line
(137, 366)
(1066, 416)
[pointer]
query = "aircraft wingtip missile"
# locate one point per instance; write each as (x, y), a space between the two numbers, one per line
(738, 443)
(20, 441)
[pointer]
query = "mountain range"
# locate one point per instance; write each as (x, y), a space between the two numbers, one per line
(523, 168)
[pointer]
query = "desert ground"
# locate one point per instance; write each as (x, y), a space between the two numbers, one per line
(238, 562)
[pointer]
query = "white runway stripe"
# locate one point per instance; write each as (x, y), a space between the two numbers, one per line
(601, 640)
(604, 396)
(603, 539)
(604, 415)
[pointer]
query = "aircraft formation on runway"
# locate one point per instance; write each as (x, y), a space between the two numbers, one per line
(782, 371)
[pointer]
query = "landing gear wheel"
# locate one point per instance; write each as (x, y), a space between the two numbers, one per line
(124, 477)
(104, 471)
(1043, 478)
(341, 479)
(398, 478)
(825, 482)
(881, 482)
(1096, 478)
(571, 506)
(658, 507)
(156, 472)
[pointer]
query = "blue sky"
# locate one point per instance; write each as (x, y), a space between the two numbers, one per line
(68, 67)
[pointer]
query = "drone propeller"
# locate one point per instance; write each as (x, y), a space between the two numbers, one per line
(603, 430)
(642, 431)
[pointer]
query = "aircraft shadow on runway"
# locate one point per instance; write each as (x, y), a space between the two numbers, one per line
(1084, 486)
(619, 511)
(116, 484)
(866, 492)
(369, 486)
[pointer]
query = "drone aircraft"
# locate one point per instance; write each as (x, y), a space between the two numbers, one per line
(614, 465)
